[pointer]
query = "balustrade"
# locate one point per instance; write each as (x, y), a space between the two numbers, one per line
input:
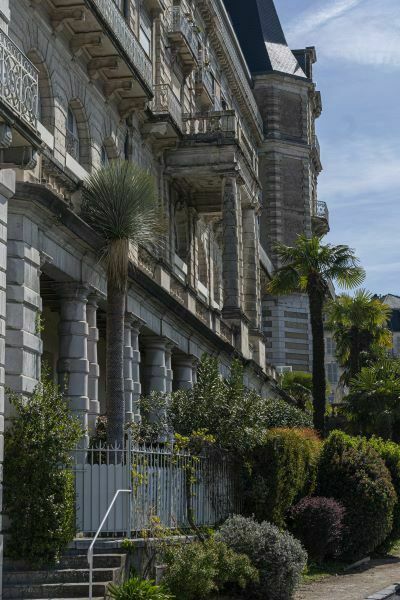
(165, 102)
(18, 81)
(179, 24)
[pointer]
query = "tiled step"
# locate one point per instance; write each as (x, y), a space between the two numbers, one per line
(58, 576)
(53, 590)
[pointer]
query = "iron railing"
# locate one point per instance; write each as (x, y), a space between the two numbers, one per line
(321, 210)
(165, 102)
(204, 77)
(126, 38)
(18, 81)
(178, 22)
(165, 483)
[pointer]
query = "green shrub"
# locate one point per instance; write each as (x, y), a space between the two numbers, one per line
(39, 493)
(352, 472)
(195, 570)
(278, 556)
(138, 589)
(283, 470)
(390, 454)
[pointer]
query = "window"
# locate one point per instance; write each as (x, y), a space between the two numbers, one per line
(145, 32)
(332, 373)
(330, 346)
(72, 137)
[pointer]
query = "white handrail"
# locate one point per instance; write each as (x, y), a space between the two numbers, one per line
(91, 547)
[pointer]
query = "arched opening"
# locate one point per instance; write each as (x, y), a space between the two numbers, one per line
(77, 134)
(181, 231)
(45, 92)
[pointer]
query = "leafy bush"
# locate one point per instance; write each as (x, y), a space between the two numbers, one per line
(278, 556)
(195, 570)
(283, 470)
(318, 523)
(390, 454)
(352, 472)
(39, 495)
(138, 589)
(279, 413)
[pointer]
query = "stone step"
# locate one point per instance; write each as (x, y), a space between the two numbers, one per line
(58, 576)
(100, 561)
(53, 590)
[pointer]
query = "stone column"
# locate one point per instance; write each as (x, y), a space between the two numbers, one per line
(94, 369)
(7, 190)
(24, 306)
(231, 244)
(184, 369)
(168, 364)
(136, 359)
(156, 369)
(251, 264)
(73, 364)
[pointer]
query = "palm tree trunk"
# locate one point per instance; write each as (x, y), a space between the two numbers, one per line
(354, 362)
(316, 301)
(115, 365)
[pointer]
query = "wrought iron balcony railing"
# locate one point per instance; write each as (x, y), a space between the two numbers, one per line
(178, 23)
(165, 102)
(18, 82)
(126, 38)
(321, 210)
(204, 78)
(226, 123)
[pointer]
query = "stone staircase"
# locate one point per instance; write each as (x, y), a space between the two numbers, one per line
(69, 579)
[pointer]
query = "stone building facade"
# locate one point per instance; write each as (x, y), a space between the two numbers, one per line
(172, 86)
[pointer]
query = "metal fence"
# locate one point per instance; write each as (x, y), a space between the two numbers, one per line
(173, 486)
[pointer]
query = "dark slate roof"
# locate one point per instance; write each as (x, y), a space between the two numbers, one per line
(261, 37)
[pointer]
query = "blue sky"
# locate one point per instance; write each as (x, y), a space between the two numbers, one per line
(358, 73)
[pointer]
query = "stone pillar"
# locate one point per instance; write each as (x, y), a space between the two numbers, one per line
(94, 369)
(156, 369)
(184, 369)
(7, 190)
(24, 306)
(168, 364)
(136, 359)
(73, 364)
(251, 264)
(231, 245)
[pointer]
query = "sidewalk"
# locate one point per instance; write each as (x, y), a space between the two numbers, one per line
(355, 585)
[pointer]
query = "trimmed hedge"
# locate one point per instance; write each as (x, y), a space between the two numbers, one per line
(318, 523)
(352, 472)
(390, 454)
(278, 556)
(283, 470)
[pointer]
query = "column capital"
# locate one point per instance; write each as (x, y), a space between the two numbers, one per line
(158, 341)
(73, 290)
(134, 321)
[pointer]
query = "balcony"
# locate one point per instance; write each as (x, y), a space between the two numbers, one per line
(166, 106)
(320, 218)
(100, 36)
(221, 125)
(19, 82)
(18, 107)
(182, 34)
(204, 86)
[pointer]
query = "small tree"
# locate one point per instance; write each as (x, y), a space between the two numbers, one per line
(39, 493)
(359, 327)
(308, 268)
(298, 384)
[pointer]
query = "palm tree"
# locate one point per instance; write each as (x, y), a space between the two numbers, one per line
(309, 267)
(359, 327)
(120, 202)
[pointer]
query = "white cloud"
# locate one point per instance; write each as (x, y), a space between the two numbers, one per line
(359, 31)
(316, 18)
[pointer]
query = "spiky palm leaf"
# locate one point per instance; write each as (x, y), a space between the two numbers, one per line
(359, 327)
(120, 202)
(309, 267)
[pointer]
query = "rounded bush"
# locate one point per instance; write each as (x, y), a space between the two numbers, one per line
(352, 472)
(318, 523)
(278, 556)
(283, 470)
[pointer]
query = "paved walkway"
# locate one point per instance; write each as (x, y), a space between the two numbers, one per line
(355, 585)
